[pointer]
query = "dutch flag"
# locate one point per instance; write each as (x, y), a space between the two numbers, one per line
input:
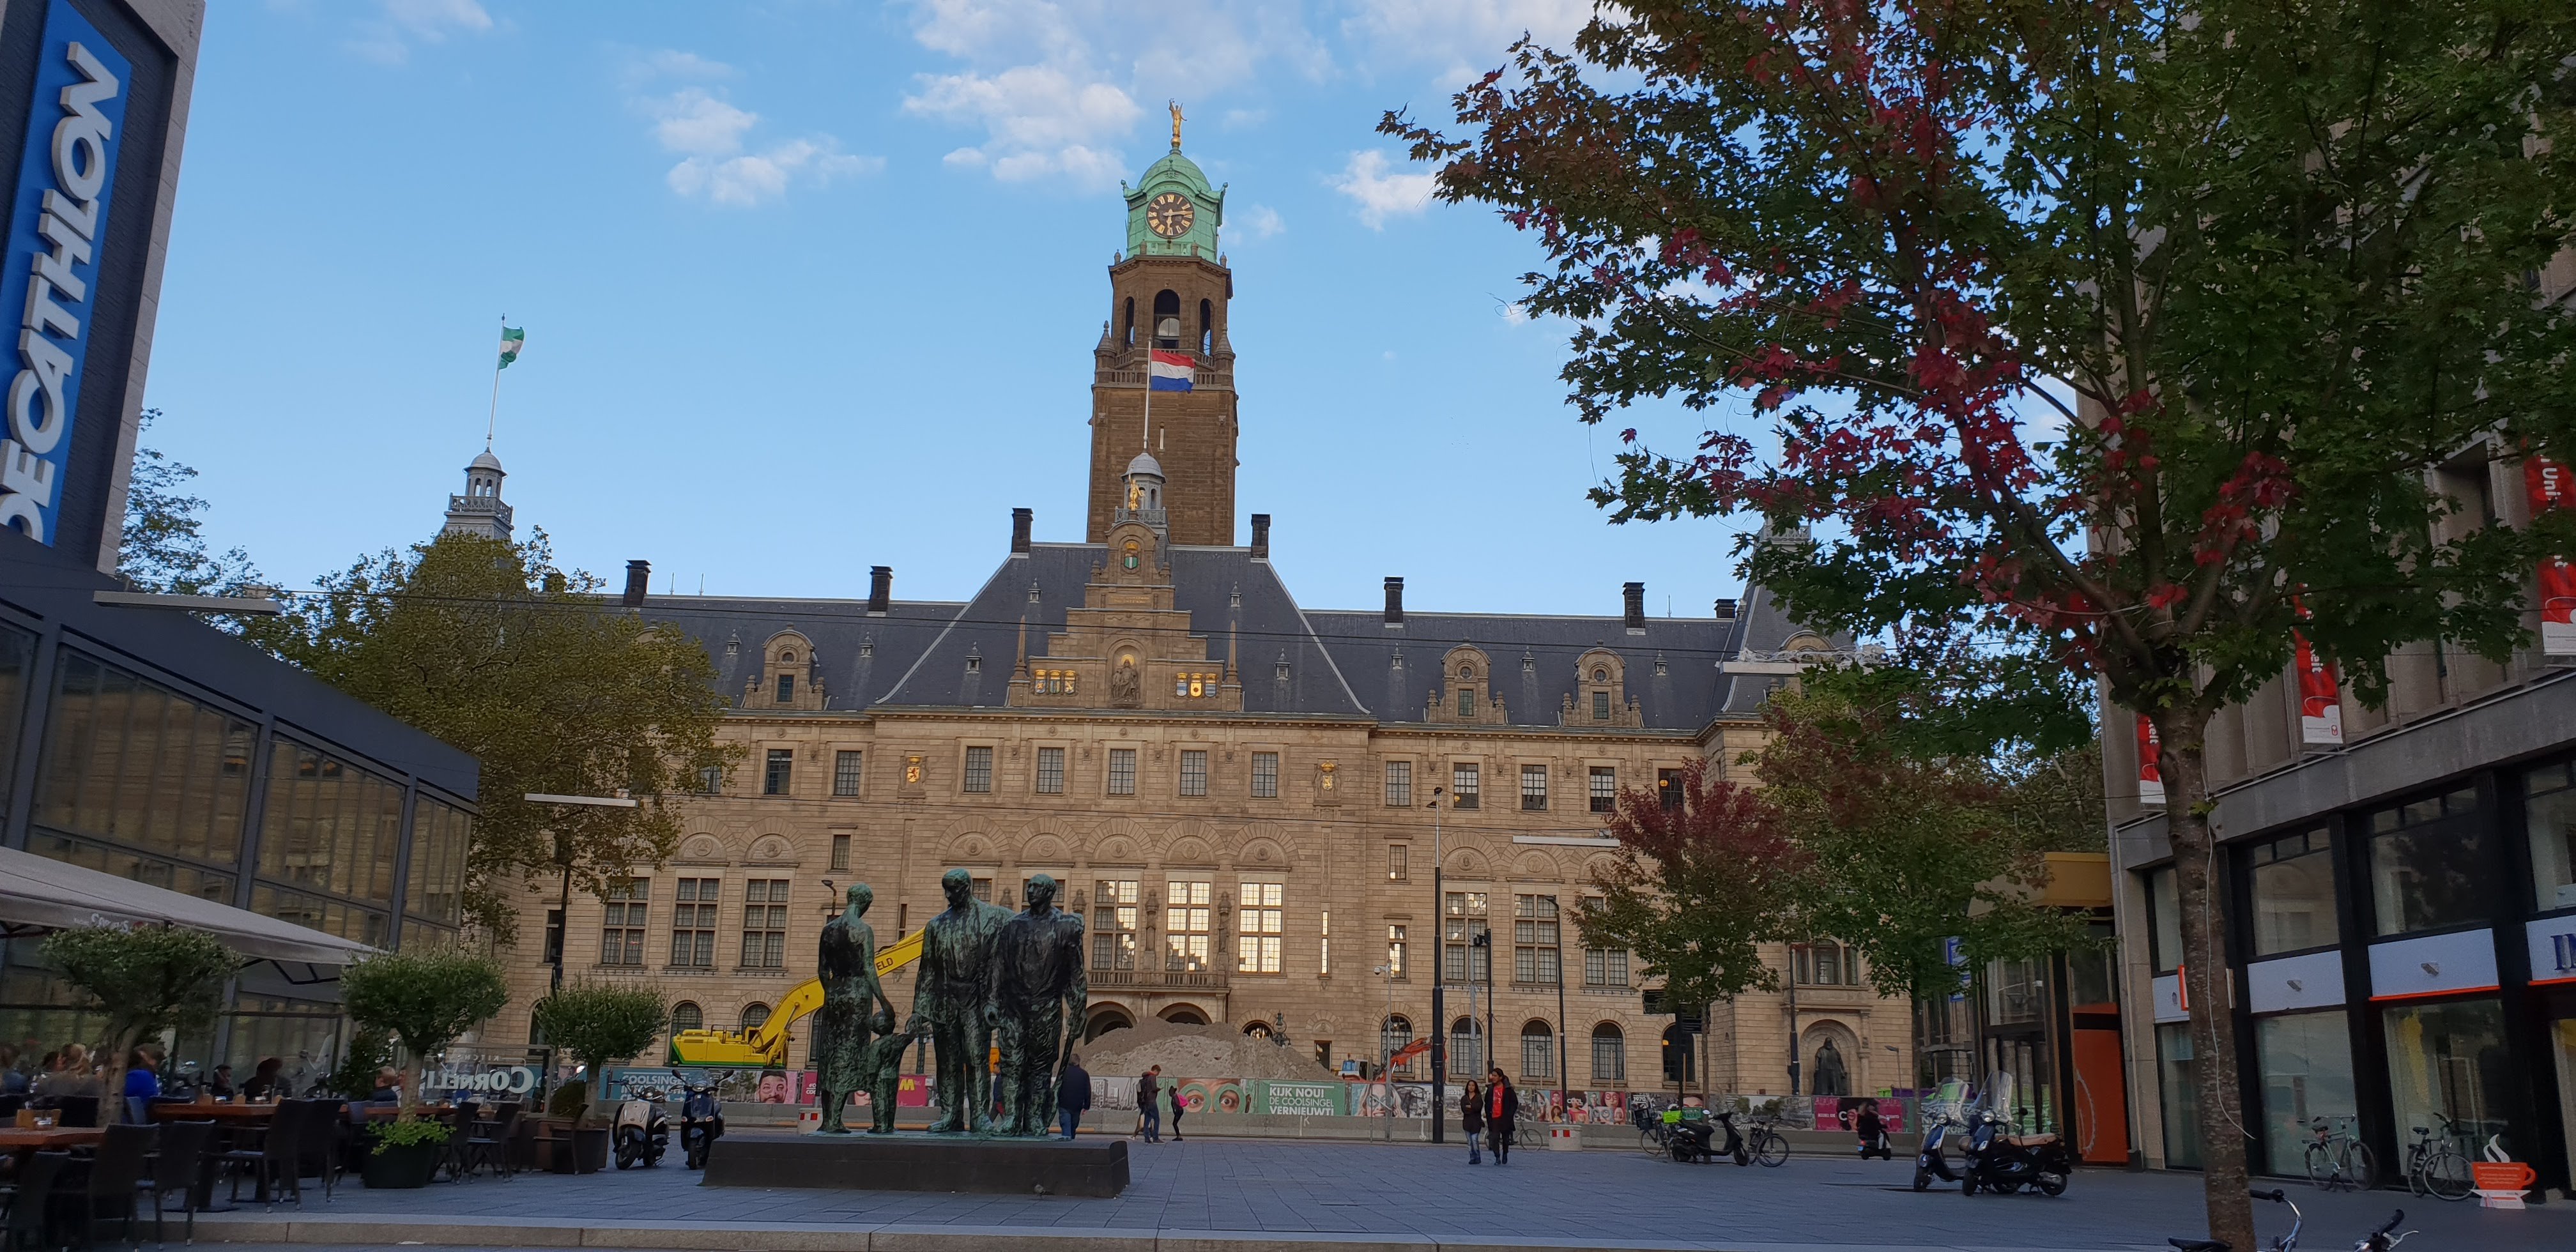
(1171, 371)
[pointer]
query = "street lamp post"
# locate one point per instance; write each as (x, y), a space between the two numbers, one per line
(1439, 1002)
(1485, 939)
(563, 898)
(1386, 1045)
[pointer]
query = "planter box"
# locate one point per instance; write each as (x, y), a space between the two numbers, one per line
(404, 1166)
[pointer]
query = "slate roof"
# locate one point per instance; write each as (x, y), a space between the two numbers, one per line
(1293, 661)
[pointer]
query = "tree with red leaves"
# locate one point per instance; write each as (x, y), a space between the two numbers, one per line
(2121, 338)
(1696, 888)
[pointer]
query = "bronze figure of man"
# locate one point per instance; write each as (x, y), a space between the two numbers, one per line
(1038, 985)
(948, 994)
(851, 999)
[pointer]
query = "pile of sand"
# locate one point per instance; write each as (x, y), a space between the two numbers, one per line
(1198, 1052)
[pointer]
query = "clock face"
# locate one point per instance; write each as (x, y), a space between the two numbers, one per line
(1170, 214)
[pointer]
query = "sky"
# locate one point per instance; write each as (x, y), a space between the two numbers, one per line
(811, 286)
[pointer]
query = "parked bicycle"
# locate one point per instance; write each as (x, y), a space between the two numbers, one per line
(2338, 1160)
(2376, 1241)
(2435, 1165)
(1765, 1142)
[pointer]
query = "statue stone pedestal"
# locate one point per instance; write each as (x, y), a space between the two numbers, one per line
(915, 1162)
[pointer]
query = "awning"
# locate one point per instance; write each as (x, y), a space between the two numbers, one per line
(44, 893)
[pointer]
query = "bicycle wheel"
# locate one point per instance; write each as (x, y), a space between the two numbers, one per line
(1773, 1149)
(2446, 1174)
(1651, 1142)
(2360, 1167)
(2321, 1166)
(2415, 1158)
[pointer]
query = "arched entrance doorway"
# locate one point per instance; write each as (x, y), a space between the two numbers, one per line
(1106, 1018)
(1184, 1015)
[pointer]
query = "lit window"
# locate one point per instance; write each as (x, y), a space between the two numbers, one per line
(1464, 781)
(1116, 916)
(1324, 944)
(1188, 910)
(1461, 960)
(1258, 924)
(1396, 857)
(1395, 951)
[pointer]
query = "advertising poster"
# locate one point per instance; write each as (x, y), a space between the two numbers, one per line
(1300, 1099)
(2320, 705)
(1605, 1108)
(2547, 485)
(2151, 781)
(1209, 1095)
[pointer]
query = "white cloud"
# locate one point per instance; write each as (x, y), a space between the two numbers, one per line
(710, 134)
(1059, 87)
(399, 24)
(1381, 195)
(1461, 38)
(1514, 314)
(1258, 221)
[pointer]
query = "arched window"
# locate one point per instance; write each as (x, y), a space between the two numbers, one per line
(1207, 327)
(686, 1015)
(1257, 1029)
(1831, 1078)
(754, 1016)
(1127, 324)
(1538, 1052)
(1466, 1048)
(1392, 1036)
(1609, 1055)
(1167, 319)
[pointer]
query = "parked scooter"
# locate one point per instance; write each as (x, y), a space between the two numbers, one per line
(2001, 1163)
(701, 1117)
(642, 1131)
(1932, 1162)
(1730, 1143)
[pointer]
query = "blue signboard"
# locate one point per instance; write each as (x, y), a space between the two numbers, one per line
(57, 228)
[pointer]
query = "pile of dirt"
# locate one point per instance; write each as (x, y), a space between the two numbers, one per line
(1198, 1052)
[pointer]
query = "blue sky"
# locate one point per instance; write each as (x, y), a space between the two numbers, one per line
(812, 286)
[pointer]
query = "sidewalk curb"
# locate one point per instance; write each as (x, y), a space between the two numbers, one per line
(837, 1237)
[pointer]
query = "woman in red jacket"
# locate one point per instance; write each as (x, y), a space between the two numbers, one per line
(1502, 1107)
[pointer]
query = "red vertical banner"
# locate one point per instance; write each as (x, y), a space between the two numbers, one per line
(2151, 781)
(2320, 704)
(2547, 485)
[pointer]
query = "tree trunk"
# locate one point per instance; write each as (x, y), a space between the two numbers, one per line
(2208, 985)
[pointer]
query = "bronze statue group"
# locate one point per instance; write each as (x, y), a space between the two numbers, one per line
(987, 975)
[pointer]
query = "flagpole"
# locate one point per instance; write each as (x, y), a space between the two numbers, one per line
(491, 419)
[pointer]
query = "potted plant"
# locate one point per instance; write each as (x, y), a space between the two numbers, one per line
(405, 1152)
(425, 997)
(597, 1023)
(145, 979)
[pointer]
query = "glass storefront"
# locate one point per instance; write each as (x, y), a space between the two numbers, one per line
(2428, 864)
(2292, 885)
(2178, 1078)
(2449, 1059)
(2549, 819)
(2306, 1061)
(2562, 1038)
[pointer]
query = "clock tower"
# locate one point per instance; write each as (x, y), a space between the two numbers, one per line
(1164, 359)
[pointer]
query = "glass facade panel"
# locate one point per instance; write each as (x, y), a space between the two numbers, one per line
(2164, 913)
(434, 894)
(17, 655)
(2549, 822)
(141, 867)
(134, 763)
(2176, 1072)
(2292, 882)
(336, 917)
(2428, 872)
(2449, 1059)
(329, 826)
(2306, 1060)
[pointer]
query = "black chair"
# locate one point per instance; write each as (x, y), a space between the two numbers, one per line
(273, 1162)
(176, 1167)
(488, 1146)
(32, 1221)
(115, 1178)
(319, 1151)
(460, 1133)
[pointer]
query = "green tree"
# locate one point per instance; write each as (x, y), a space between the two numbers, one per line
(425, 997)
(144, 979)
(488, 646)
(600, 1023)
(1696, 888)
(164, 544)
(2129, 336)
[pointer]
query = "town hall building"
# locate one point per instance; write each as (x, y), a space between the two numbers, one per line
(1235, 791)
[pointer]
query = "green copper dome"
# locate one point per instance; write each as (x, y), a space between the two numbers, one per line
(1189, 197)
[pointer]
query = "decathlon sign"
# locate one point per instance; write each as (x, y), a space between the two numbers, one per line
(66, 173)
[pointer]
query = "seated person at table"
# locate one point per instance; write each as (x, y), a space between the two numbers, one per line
(388, 1087)
(72, 1077)
(12, 1082)
(263, 1081)
(221, 1083)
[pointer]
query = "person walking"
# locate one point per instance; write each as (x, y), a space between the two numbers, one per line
(1072, 1094)
(1502, 1108)
(1148, 1103)
(1471, 1119)
(1180, 1109)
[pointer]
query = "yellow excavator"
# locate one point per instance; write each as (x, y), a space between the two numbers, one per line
(765, 1046)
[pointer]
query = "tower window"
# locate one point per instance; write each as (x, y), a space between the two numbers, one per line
(1127, 324)
(1167, 319)
(1207, 326)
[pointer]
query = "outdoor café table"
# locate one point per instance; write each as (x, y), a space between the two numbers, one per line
(232, 1118)
(26, 1143)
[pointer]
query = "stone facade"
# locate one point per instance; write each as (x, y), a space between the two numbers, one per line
(1234, 792)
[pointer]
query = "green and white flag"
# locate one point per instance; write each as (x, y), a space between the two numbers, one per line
(511, 341)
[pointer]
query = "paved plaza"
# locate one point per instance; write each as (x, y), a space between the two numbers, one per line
(1249, 1194)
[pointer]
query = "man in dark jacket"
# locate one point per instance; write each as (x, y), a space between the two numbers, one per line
(1502, 1108)
(1072, 1094)
(1148, 1110)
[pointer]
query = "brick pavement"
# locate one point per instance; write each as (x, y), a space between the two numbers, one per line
(1262, 1195)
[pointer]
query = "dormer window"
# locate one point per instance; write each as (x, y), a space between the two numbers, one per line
(1465, 695)
(786, 688)
(1600, 695)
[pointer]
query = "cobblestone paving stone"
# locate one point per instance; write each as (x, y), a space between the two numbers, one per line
(1424, 1194)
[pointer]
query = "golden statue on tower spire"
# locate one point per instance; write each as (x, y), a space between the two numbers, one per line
(1176, 125)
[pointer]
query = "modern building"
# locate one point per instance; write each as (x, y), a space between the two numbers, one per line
(2400, 887)
(1233, 789)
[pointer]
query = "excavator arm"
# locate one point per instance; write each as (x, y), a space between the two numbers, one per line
(765, 1046)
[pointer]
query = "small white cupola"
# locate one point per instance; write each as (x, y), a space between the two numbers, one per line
(479, 511)
(1141, 492)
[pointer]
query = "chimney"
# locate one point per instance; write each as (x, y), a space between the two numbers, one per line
(639, 575)
(1261, 536)
(1394, 603)
(1020, 530)
(880, 589)
(1635, 595)
(1726, 610)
